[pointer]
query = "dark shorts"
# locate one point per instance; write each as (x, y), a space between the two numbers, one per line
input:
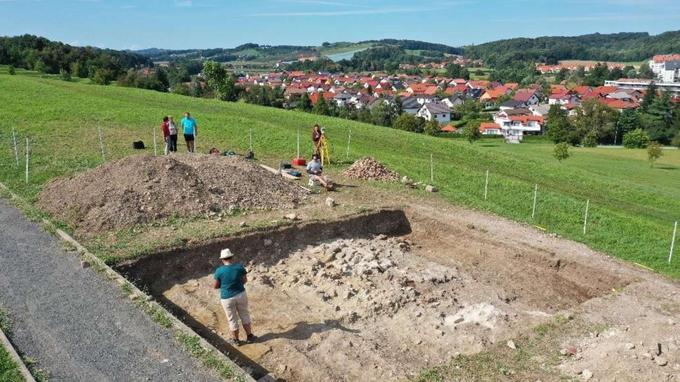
(188, 137)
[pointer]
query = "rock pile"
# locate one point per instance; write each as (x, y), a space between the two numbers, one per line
(139, 189)
(370, 169)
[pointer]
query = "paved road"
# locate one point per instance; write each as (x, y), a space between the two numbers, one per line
(73, 321)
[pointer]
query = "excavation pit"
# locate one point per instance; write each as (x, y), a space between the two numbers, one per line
(377, 296)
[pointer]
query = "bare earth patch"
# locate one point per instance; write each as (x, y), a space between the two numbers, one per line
(383, 307)
(140, 189)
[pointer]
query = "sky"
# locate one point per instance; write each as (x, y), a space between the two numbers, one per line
(178, 24)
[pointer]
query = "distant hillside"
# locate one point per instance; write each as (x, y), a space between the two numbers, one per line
(268, 53)
(43, 55)
(245, 52)
(599, 47)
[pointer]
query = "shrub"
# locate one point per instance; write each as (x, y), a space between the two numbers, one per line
(561, 151)
(654, 152)
(590, 139)
(11, 70)
(636, 139)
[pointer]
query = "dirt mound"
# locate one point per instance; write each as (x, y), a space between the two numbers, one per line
(139, 189)
(370, 169)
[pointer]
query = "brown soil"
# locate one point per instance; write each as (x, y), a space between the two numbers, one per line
(141, 189)
(370, 169)
(340, 301)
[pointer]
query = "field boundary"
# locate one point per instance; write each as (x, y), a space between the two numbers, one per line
(5, 342)
(210, 356)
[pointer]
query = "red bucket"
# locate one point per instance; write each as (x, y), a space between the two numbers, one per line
(299, 162)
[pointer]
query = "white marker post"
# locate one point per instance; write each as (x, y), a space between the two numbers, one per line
(349, 140)
(250, 139)
(155, 146)
(533, 210)
(486, 185)
(101, 142)
(16, 147)
(675, 230)
(298, 143)
(431, 168)
(585, 216)
(27, 158)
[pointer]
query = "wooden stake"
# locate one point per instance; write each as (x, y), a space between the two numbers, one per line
(298, 143)
(675, 230)
(349, 139)
(250, 139)
(27, 158)
(486, 185)
(16, 147)
(533, 210)
(155, 147)
(431, 168)
(101, 142)
(585, 217)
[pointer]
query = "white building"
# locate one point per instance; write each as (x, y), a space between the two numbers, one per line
(666, 67)
(640, 84)
(518, 124)
(435, 111)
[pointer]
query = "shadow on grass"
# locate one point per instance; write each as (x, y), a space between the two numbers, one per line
(665, 167)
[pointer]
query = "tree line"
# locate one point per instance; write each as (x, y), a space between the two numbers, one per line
(596, 47)
(49, 57)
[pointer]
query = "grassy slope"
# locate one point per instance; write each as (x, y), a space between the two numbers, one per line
(632, 211)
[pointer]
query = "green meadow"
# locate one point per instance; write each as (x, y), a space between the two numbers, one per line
(632, 206)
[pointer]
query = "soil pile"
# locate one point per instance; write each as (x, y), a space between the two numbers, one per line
(140, 189)
(370, 169)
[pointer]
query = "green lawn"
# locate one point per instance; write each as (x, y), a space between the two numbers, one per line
(632, 211)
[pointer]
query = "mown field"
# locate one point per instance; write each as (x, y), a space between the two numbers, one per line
(632, 210)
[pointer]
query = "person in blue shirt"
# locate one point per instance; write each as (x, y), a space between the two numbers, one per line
(190, 130)
(230, 279)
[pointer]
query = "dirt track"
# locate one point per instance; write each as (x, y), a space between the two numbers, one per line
(460, 282)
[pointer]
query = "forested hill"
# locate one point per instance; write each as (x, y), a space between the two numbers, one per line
(599, 47)
(43, 55)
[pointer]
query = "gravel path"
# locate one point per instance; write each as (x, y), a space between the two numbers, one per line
(73, 321)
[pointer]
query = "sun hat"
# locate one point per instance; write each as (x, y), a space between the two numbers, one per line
(226, 254)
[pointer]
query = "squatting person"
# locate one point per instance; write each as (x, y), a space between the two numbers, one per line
(230, 279)
(190, 130)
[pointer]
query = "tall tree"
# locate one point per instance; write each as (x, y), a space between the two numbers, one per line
(650, 95)
(559, 128)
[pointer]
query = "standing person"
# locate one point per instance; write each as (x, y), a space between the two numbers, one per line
(165, 129)
(230, 279)
(172, 138)
(190, 130)
(316, 137)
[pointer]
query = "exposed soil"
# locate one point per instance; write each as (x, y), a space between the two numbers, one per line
(370, 169)
(141, 189)
(334, 302)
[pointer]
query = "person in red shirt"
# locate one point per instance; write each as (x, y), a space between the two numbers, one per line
(165, 129)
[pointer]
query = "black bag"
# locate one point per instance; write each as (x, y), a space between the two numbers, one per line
(138, 145)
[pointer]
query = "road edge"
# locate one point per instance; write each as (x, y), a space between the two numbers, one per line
(147, 305)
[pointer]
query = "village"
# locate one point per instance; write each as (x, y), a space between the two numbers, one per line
(513, 110)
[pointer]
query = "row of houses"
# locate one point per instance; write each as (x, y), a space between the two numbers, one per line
(519, 110)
